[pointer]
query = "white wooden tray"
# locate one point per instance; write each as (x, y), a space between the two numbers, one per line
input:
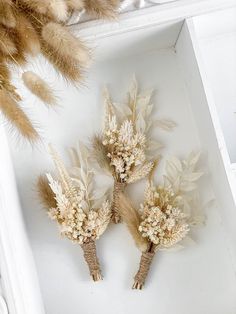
(180, 57)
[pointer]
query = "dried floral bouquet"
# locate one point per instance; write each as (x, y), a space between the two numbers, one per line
(125, 149)
(71, 200)
(31, 27)
(166, 215)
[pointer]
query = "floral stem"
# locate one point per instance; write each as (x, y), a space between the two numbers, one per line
(118, 189)
(90, 256)
(144, 266)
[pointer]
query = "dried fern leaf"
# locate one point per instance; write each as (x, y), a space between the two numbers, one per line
(106, 9)
(64, 43)
(132, 219)
(141, 172)
(39, 87)
(45, 193)
(16, 116)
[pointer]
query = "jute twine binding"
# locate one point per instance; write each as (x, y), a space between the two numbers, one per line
(144, 266)
(118, 189)
(90, 256)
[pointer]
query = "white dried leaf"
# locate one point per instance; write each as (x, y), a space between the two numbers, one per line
(166, 125)
(133, 90)
(140, 124)
(153, 145)
(143, 100)
(140, 172)
(194, 176)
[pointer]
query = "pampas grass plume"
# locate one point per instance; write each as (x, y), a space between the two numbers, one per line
(7, 17)
(132, 219)
(39, 87)
(16, 116)
(64, 43)
(75, 4)
(27, 35)
(45, 193)
(102, 8)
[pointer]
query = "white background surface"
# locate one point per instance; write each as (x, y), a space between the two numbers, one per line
(199, 279)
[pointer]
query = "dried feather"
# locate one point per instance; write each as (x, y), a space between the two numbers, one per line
(39, 87)
(64, 43)
(45, 193)
(16, 116)
(132, 219)
(7, 16)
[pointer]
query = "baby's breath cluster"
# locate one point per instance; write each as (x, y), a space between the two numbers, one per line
(163, 223)
(76, 222)
(125, 147)
(80, 217)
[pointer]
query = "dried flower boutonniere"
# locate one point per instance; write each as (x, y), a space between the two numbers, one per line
(125, 149)
(166, 215)
(71, 201)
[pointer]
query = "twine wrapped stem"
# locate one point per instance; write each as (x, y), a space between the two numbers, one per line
(90, 255)
(118, 189)
(144, 266)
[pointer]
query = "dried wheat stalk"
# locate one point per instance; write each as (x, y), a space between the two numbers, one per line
(70, 200)
(165, 216)
(124, 148)
(30, 27)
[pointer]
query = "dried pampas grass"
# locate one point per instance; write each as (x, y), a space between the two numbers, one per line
(64, 43)
(16, 116)
(45, 193)
(30, 27)
(102, 8)
(75, 4)
(39, 87)
(7, 16)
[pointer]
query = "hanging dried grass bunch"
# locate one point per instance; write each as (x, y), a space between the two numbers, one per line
(30, 27)
(71, 200)
(124, 148)
(166, 215)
